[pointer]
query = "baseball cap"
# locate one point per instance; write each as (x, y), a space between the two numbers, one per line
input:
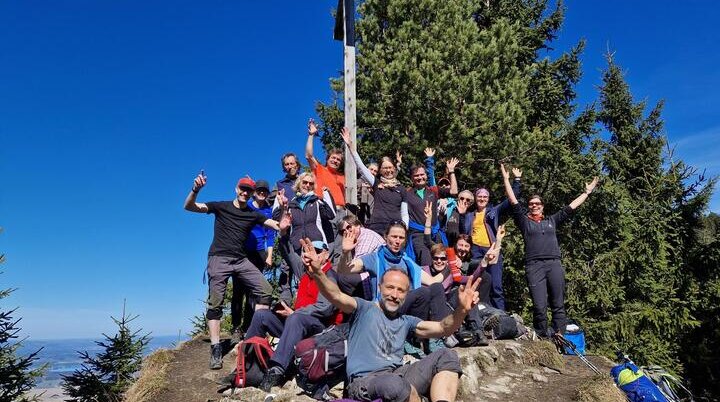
(246, 182)
(319, 245)
(262, 184)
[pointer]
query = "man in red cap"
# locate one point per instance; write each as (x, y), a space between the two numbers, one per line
(228, 257)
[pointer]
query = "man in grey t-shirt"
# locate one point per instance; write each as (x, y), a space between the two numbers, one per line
(377, 334)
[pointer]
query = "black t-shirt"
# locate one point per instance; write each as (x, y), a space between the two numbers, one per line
(232, 227)
(387, 202)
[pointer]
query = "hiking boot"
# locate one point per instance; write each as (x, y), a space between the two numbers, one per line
(272, 378)
(225, 383)
(490, 325)
(236, 336)
(216, 357)
(481, 340)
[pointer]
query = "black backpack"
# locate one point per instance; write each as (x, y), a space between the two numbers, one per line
(252, 362)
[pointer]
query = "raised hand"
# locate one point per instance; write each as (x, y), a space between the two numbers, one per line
(200, 181)
(285, 221)
(398, 157)
(345, 133)
(468, 297)
(350, 240)
(462, 206)
(500, 233)
(517, 172)
(491, 256)
(442, 205)
(504, 172)
(450, 164)
(282, 199)
(428, 211)
(429, 152)
(311, 259)
(312, 127)
(589, 187)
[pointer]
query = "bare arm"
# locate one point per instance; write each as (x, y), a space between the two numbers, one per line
(589, 187)
(327, 288)
(451, 164)
(467, 299)
(508, 188)
(272, 224)
(312, 131)
(190, 201)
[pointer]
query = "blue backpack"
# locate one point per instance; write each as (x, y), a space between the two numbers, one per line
(637, 386)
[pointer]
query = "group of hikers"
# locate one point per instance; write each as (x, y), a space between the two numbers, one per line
(409, 267)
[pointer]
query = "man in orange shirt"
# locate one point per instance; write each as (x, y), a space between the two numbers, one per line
(329, 175)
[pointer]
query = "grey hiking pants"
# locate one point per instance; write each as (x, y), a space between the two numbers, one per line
(243, 272)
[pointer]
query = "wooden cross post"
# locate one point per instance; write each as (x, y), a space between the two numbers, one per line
(345, 31)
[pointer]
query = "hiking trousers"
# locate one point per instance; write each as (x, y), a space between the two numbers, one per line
(292, 330)
(546, 280)
(222, 268)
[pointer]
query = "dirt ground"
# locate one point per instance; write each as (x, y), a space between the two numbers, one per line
(190, 380)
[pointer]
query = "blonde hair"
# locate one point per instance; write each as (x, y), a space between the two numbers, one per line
(300, 178)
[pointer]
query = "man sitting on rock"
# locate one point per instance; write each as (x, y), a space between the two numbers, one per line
(312, 312)
(377, 332)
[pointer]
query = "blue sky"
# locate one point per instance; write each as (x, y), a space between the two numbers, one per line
(109, 109)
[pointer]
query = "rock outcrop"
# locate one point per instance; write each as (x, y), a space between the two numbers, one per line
(503, 371)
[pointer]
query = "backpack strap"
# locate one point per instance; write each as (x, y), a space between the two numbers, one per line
(240, 374)
(262, 348)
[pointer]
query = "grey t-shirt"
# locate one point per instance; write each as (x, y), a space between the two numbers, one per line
(376, 341)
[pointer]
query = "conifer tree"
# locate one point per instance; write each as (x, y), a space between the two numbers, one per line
(108, 375)
(17, 377)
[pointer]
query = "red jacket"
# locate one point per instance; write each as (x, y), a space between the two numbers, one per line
(308, 292)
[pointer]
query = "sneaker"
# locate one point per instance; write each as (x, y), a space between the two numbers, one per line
(216, 357)
(272, 378)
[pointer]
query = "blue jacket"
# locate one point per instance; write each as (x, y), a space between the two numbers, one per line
(261, 237)
(493, 215)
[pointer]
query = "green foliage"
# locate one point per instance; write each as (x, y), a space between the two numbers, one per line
(469, 78)
(17, 377)
(108, 375)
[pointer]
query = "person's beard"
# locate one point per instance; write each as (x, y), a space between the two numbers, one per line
(391, 310)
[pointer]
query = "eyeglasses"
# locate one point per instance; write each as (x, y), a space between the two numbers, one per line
(535, 203)
(439, 258)
(346, 227)
(311, 183)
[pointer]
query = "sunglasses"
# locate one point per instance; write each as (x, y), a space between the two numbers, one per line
(466, 199)
(345, 228)
(535, 203)
(312, 183)
(439, 258)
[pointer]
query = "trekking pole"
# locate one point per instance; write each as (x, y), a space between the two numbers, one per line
(562, 341)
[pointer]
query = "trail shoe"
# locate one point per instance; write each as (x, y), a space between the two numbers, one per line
(481, 339)
(216, 357)
(272, 378)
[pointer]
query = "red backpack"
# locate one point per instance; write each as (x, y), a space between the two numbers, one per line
(252, 361)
